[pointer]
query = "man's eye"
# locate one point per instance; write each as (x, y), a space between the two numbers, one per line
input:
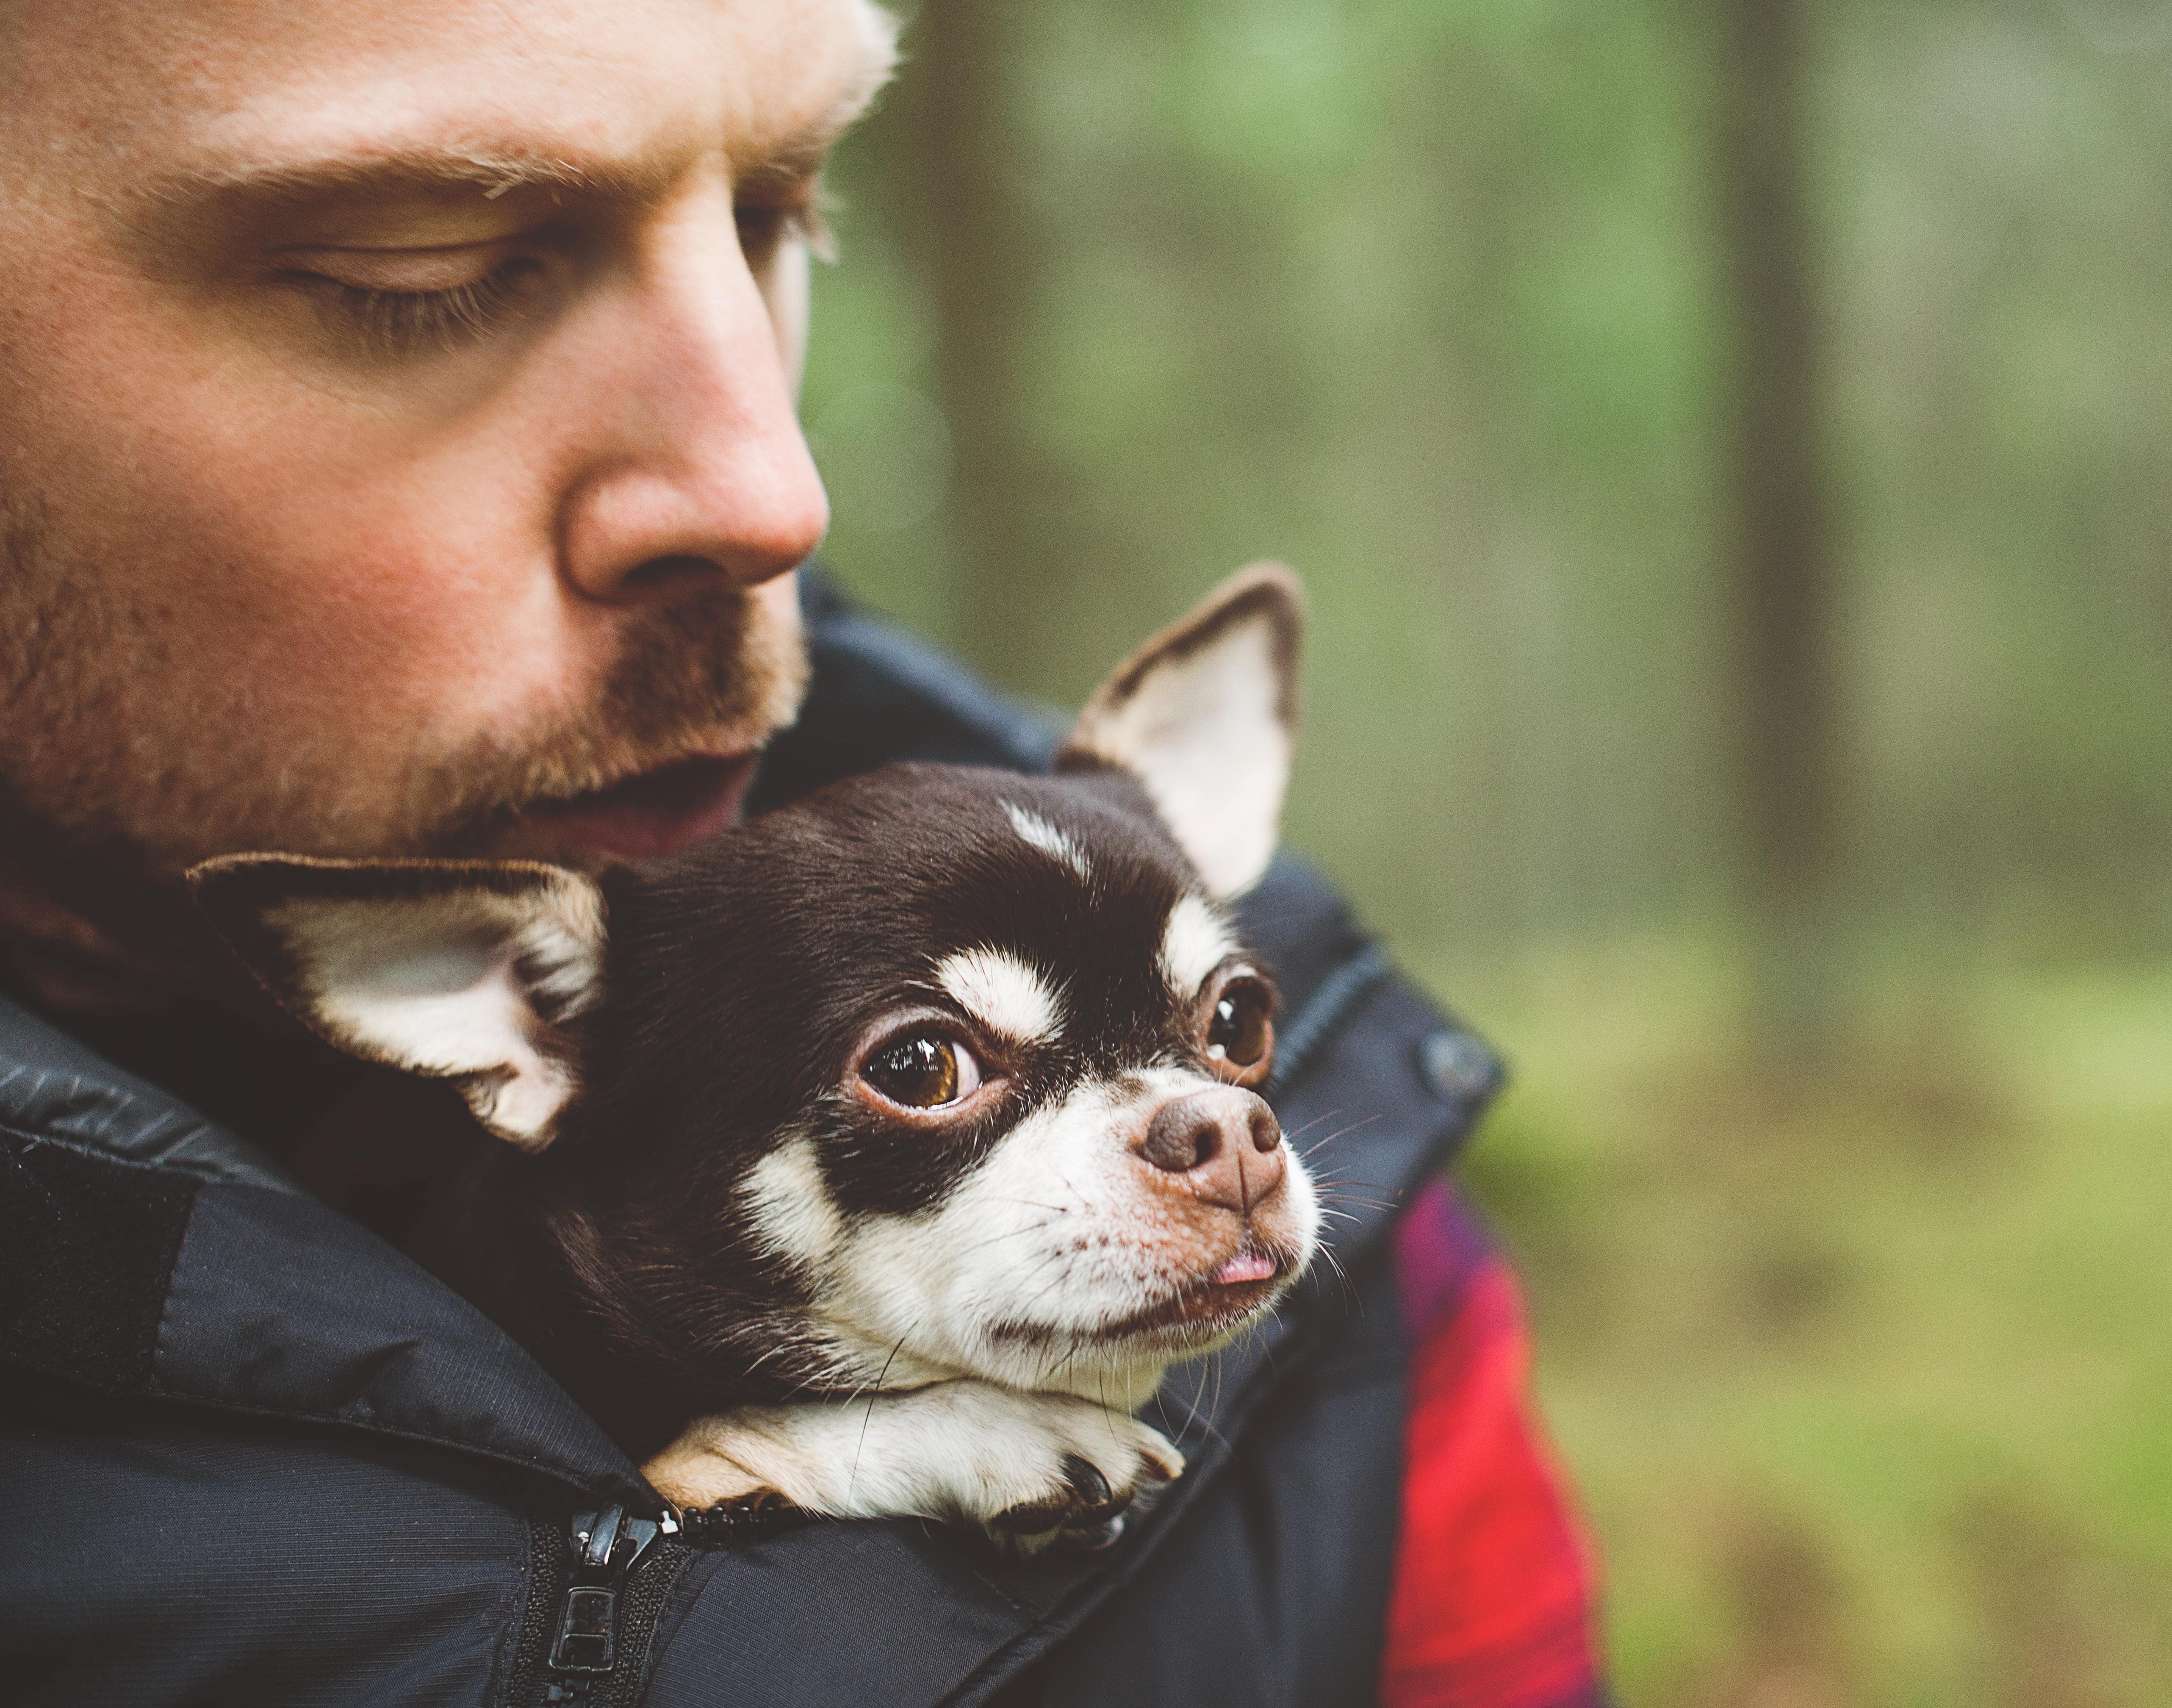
(370, 303)
(1240, 1030)
(406, 323)
(925, 1071)
(763, 225)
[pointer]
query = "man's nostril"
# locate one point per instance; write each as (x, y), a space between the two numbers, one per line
(663, 573)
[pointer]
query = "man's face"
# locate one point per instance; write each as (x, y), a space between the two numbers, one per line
(397, 445)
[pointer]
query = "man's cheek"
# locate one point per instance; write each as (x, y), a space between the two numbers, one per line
(401, 584)
(294, 571)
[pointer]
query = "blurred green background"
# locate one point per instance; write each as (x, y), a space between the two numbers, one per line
(1733, 472)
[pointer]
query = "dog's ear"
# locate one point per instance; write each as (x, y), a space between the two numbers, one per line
(1205, 716)
(451, 970)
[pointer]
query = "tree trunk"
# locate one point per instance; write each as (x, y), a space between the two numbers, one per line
(1786, 695)
(976, 244)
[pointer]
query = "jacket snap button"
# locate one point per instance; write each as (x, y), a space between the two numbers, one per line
(1455, 1064)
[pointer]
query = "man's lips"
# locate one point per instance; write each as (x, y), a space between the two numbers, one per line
(656, 813)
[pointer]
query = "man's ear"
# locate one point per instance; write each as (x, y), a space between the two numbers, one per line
(1205, 716)
(464, 971)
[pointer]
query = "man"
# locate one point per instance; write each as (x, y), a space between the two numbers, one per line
(398, 456)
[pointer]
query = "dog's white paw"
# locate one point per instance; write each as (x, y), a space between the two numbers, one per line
(1028, 1469)
(1054, 1470)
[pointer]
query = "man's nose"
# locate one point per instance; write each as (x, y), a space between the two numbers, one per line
(1225, 1144)
(692, 466)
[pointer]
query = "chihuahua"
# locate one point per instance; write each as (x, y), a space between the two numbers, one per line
(877, 1156)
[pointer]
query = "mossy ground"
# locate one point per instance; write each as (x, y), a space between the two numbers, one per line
(1862, 1366)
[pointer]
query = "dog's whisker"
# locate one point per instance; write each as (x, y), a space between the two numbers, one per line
(852, 1479)
(1295, 1133)
(1012, 1234)
(1339, 1133)
(1363, 1201)
(1191, 1416)
(1335, 1265)
(1218, 1375)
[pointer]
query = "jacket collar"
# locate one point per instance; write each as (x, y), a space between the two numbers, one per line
(277, 1305)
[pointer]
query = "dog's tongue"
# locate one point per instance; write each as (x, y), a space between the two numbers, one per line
(1245, 1266)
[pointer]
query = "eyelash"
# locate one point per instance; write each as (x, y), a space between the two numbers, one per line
(763, 226)
(402, 323)
(397, 324)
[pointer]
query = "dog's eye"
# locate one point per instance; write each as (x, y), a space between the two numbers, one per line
(1240, 1030)
(924, 1071)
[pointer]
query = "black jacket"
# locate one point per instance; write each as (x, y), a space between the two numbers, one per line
(251, 1454)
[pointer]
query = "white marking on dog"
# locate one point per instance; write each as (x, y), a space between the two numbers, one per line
(952, 1450)
(1003, 994)
(1202, 727)
(454, 986)
(1195, 941)
(1061, 1232)
(794, 1214)
(1046, 837)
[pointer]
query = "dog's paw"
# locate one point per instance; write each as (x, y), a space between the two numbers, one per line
(698, 1471)
(1031, 1471)
(1091, 1464)
(1087, 1513)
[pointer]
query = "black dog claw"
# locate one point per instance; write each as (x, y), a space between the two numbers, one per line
(1090, 1515)
(1086, 1481)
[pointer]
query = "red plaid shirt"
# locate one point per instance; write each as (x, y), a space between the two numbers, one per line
(1494, 1586)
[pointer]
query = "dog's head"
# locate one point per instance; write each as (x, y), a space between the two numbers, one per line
(938, 1072)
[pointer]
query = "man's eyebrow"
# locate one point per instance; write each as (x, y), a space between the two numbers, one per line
(390, 172)
(378, 169)
(496, 172)
(172, 210)
(798, 160)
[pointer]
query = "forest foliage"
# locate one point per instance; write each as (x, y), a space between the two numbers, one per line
(1427, 297)
(1860, 1366)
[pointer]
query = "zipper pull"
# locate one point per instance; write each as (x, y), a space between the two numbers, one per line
(606, 1545)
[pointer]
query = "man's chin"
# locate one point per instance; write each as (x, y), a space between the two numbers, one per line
(645, 816)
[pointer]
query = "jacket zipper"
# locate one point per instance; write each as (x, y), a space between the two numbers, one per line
(606, 1545)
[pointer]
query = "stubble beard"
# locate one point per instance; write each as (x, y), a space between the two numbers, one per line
(100, 816)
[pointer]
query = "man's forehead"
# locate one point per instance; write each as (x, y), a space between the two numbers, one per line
(611, 96)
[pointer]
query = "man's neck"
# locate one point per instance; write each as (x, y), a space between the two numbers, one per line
(58, 960)
(177, 1019)
(367, 1141)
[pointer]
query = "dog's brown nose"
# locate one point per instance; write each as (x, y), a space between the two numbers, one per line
(1225, 1143)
